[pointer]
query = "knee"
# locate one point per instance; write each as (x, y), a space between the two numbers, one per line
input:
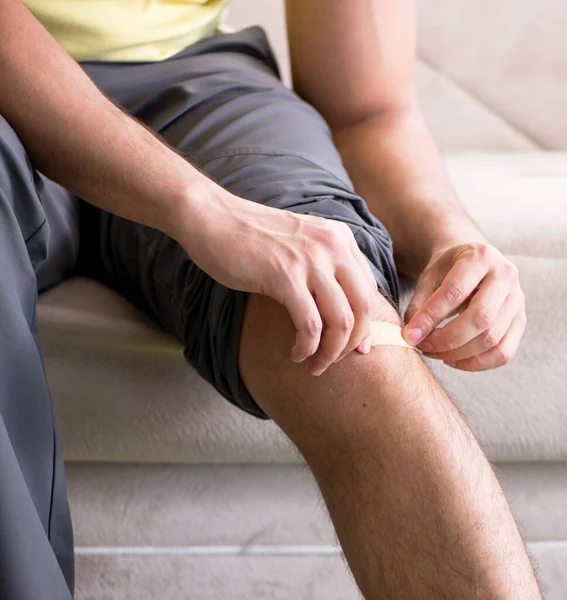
(267, 324)
(344, 407)
(267, 338)
(384, 309)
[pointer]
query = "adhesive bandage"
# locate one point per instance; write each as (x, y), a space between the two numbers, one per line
(387, 334)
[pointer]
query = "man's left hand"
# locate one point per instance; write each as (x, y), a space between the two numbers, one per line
(480, 285)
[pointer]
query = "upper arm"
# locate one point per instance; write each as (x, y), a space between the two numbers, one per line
(352, 59)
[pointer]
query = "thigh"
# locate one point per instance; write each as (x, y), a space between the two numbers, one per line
(47, 214)
(228, 111)
(36, 548)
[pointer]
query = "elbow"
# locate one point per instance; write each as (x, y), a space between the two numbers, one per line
(380, 114)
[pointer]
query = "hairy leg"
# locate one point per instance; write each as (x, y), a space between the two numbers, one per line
(415, 504)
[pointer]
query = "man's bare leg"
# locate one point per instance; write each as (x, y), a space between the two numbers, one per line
(416, 506)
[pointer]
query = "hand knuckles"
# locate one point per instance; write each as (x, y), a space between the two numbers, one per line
(504, 355)
(492, 337)
(481, 317)
(454, 293)
(294, 272)
(318, 260)
(427, 321)
(476, 253)
(313, 325)
(511, 270)
(448, 344)
(323, 234)
(336, 243)
(346, 322)
(482, 252)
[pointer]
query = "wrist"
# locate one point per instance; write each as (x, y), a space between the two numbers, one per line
(192, 210)
(453, 236)
(447, 233)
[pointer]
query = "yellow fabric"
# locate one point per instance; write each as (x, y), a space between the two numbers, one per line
(128, 30)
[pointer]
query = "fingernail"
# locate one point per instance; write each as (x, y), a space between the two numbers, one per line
(413, 336)
(317, 372)
(294, 357)
(426, 347)
(365, 346)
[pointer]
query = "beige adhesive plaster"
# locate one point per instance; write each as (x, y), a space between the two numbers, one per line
(387, 334)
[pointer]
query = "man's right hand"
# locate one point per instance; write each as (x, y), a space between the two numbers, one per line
(311, 265)
(75, 136)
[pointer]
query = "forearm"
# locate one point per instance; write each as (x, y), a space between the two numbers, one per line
(396, 167)
(77, 137)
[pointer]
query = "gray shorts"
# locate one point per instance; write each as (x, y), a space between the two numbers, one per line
(221, 103)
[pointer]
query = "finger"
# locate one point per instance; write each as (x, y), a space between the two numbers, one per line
(308, 323)
(361, 299)
(480, 315)
(364, 347)
(338, 319)
(490, 337)
(500, 355)
(457, 286)
(424, 289)
(364, 265)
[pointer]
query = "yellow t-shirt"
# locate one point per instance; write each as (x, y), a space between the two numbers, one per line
(128, 30)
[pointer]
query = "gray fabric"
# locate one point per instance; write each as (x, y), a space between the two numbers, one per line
(220, 102)
(36, 550)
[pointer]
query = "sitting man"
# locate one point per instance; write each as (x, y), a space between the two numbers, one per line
(263, 228)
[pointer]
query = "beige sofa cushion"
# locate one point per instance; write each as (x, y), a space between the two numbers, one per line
(124, 393)
(509, 56)
(490, 75)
